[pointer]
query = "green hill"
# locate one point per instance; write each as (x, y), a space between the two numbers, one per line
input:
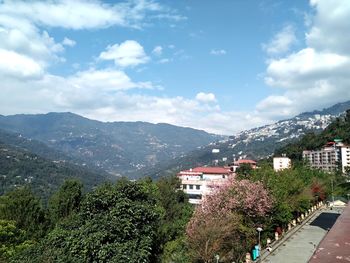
(121, 148)
(20, 167)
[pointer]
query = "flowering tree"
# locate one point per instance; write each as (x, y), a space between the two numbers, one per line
(225, 222)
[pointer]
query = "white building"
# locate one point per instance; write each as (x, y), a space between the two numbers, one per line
(281, 163)
(199, 182)
(330, 157)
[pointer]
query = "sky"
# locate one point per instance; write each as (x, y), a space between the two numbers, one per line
(222, 66)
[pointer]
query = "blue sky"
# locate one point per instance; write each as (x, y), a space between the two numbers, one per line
(222, 66)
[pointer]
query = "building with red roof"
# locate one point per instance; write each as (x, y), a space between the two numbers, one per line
(236, 164)
(201, 181)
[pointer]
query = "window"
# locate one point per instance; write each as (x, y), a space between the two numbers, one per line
(191, 186)
(195, 196)
(223, 176)
(184, 186)
(198, 187)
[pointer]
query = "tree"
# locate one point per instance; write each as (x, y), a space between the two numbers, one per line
(176, 251)
(12, 240)
(115, 223)
(225, 222)
(177, 213)
(177, 210)
(21, 206)
(66, 200)
(244, 171)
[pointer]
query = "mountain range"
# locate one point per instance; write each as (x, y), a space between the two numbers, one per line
(137, 149)
(257, 143)
(120, 148)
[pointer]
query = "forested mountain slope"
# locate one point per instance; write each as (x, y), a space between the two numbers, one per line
(121, 148)
(19, 167)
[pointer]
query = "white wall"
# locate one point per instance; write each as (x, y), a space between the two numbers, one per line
(280, 163)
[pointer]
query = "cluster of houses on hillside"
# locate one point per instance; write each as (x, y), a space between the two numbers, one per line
(201, 181)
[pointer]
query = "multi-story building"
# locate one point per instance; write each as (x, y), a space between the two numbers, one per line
(201, 181)
(281, 163)
(332, 156)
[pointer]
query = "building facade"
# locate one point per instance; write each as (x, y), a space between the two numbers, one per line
(201, 181)
(332, 156)
(281, 163)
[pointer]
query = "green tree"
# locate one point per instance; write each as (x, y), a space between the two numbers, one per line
(26, 210)
(244, 171)
(66, 200)
(115, 223)
(176, 251)
(177, 213)
(177, 210)
(12, 240)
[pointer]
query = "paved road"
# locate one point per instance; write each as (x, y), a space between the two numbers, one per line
(299, 247)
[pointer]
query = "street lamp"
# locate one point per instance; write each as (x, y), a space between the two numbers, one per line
(259, 229)
(332, 192)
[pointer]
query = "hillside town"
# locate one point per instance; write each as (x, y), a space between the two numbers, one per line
(199, 182)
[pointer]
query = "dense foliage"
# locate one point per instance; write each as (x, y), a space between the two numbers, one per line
(124, 222)
(293, 190)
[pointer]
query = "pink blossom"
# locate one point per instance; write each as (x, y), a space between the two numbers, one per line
(235, 196)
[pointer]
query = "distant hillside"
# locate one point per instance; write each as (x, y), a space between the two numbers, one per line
(18, 141)
(338, 129)
(121, 148)
(20, 167)
(257, 143)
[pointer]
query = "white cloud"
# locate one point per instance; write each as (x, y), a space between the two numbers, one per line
(205, 97)
(104, 95)
(300, 70)
(218, 52)
(330, 29)
(104, 80)
(128, 53)
(164, 60)
(158, 50)
(318, 75)
(18, 66)
(313, 77)
(19, 36)
(281, 42)
(81, 14)
(68, 42)
(22, 23)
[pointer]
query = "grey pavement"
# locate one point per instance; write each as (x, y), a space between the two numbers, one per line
(299, 246)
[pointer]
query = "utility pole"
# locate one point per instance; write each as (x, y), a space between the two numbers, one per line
(332, 192)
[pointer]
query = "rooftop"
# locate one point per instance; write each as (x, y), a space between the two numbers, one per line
(335, 247)
(209, 170)
(241, 161)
